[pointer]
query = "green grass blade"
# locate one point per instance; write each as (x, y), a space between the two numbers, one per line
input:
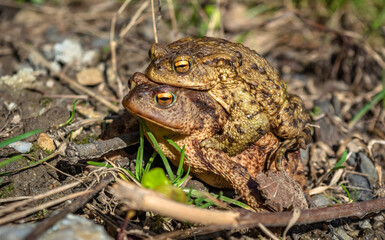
(18, 138)
(341, 161)
(139, 156)
(69, 121)
(99, 164)
(200, 198)
(150, 161)
(180, 181)
(179, 172)
(10, 160)
(347, 192)
(157, 148)
(380, 96)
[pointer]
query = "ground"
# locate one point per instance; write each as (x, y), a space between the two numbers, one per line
(331, 53)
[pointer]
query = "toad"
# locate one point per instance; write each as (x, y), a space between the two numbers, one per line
(243, 83)
(189, 117)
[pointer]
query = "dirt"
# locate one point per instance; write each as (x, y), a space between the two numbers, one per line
(328, 57)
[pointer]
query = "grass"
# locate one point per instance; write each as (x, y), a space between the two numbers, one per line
(341, 161)
(366, 108)
(167, 184)
(19, 137)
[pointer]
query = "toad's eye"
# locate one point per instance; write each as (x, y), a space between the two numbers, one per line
(165, 99)
(182, 64)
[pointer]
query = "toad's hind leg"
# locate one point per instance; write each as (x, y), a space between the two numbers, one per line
(291, 124)
(239, 133)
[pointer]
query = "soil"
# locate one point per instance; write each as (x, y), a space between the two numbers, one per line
(329, 57)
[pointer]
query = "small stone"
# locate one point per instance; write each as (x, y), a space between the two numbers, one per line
(55, 67)
(320, 200)
(340, 233)
(22, 147)
(362, 182)
(365, 224)
(90, 57)
(24, 78)
(50, 83)
(90, 77)
(45, 142)
(378, 225)
(379, 217)
(68, 52)
(47, 50)
(366, 166)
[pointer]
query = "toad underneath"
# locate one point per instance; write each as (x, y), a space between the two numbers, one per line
(243, 83)
(189, 117)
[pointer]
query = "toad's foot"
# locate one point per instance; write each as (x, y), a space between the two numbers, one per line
(239, 134)
(292, 144)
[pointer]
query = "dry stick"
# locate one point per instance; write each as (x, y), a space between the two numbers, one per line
(134, 19)
(153, 21)
(17, 215)
(76, 204)
(113, 59)
(64, 78)
(13, 206)
(124, 5)
(146, 200)
(76, 152)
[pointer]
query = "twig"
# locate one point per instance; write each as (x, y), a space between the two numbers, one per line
(14, 199)
(76, 152)
(153, 21)
(17, 215)
(78, 203)
(146, 200)
(133, 19)
(267, 231)
(12, 207)
(124, 5)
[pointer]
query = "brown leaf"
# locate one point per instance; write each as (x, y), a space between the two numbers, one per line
(280, 191)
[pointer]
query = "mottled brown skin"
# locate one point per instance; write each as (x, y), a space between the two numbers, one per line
(243, 82)
(193, 117)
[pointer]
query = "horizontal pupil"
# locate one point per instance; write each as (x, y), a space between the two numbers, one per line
(164, 98)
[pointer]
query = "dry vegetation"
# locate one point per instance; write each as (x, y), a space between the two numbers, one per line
(331, 53)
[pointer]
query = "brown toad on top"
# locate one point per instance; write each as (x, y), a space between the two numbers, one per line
(189, 117)
(245, 85)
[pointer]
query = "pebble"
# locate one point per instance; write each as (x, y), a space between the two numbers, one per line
(378, 222)
(21, 147)
(90, 77)
(68, 52)
(365, 224)
(320, 200)
(360, 181)
(47, 50)
(366, 166)
(45, 142)
(71, 227)
(24, 78)
(340, 233)
(90, 57)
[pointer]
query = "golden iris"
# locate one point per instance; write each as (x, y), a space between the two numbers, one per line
(182, 64)
(165, 99)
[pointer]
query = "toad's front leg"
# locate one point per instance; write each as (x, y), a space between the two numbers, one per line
(239, 132)
(291, 124)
